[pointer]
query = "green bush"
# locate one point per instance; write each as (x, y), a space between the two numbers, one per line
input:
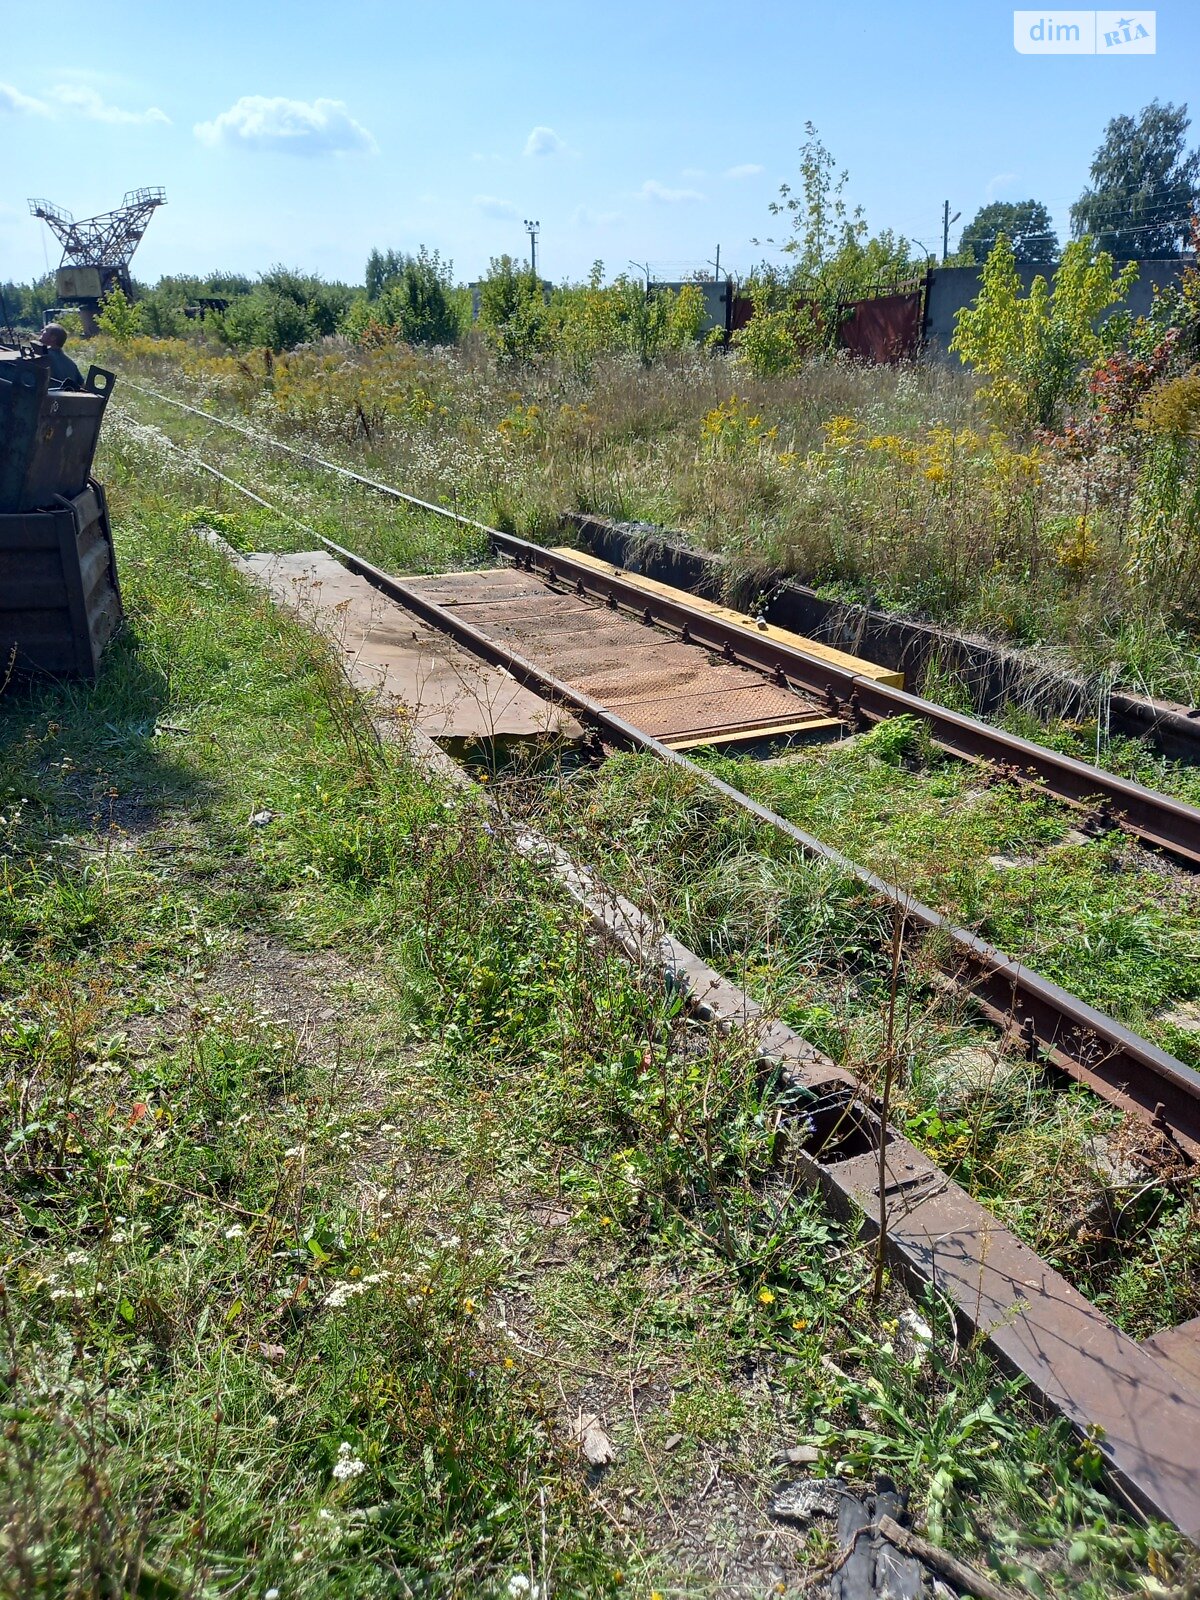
(412, 297)
(1034, 347)
(284, 309)
(119, 317)
(512, 310)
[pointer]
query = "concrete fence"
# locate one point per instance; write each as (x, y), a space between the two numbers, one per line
(952, 288)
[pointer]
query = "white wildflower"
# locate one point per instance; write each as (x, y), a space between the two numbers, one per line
(342, 1292)
(236, 1232)
(919, 1329)
(77, 1258)
(347, 1465)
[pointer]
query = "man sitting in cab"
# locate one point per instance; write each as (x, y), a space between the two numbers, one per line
(64, 374)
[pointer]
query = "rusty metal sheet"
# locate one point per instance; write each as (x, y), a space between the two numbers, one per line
(465, 588)
(387, 652)
(689, 716)
(671, 688)
(883, 329)
(1179, 1348)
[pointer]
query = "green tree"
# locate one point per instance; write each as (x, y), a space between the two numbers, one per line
(834, 257)
(26, 302)
(118, 316)
(285, 308)
(1025, 224)
(1033, 347)
(413, 296)
(512, 310)
(1144, 187)
(382, 267)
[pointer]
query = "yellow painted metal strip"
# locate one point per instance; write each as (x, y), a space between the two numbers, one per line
(776, 730)
(810, 647)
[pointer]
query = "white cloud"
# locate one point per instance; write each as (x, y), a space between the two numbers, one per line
(695, 174)
(585, 217)
(75, 99)
(89, 104)
(12, 100)
(544, 142)
(299, 127)
(491, 207)
(748, 169)
(1002, 180)
(661, 195)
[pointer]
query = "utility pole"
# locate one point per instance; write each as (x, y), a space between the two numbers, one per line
(531, 228)
(644, 268)
(716, 266)
(947, 219)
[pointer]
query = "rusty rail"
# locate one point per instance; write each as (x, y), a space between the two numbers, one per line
(1049, 1022)
(1157, 820)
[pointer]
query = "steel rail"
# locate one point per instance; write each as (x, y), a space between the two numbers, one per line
(1157, 820)
(1048, 1022)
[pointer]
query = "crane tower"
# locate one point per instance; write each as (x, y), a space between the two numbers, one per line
(97, 250)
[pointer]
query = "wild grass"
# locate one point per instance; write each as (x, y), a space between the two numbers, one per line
(879, 484)
(1113, 1211)
(342, 1168)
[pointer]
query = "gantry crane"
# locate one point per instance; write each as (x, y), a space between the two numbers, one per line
(97, 250)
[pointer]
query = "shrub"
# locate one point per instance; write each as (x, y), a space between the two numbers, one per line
(512, 310)
(1035, 347)
(119, 317)
(411, 296)
(780, 332)
(284, 309)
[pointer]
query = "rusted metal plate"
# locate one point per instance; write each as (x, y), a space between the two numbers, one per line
(388, 652)
(672, 689)
(811, 647)
(60, 602)
(1180, 1349)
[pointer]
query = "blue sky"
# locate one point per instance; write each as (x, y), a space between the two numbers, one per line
(306, 133)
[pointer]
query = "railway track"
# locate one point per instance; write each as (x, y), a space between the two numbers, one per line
(1036, 1322)
(1043, 1020)
(1156, 820)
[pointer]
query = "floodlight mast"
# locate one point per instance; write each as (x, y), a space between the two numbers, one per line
(97, 250)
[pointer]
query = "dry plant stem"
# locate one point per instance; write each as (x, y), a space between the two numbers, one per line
(889, 1072)
(946, 1565)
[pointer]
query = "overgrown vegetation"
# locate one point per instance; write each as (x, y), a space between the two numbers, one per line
(1111, 1210)
(893, 485)
(343, 1168)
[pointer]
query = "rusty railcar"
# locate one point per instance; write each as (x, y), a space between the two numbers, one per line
(60, 601)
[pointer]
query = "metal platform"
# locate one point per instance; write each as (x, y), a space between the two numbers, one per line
(677, 691)
(451, 695)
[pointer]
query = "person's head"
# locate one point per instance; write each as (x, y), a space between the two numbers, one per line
(54, 336)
